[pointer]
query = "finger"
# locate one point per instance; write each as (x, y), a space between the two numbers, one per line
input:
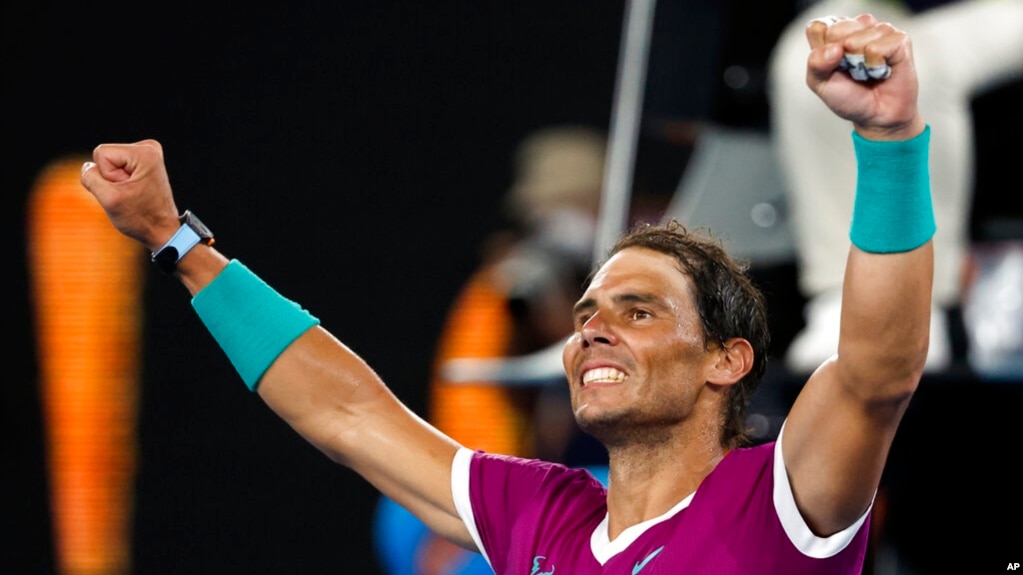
(866, 19)
(823, 61)
(826, 36)
(113, 162)
(88, 175)
(816, 29)
(829, 29)
(835, 28)
(873, 44)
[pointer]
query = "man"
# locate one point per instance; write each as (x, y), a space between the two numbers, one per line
(669, 339)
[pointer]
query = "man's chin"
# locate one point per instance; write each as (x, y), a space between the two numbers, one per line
(603, 426)
(619, 428)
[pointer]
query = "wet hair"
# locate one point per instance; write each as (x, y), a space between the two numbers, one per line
(728, 302)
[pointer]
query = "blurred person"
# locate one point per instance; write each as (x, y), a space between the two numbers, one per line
(519, 299)
(517, 302)
(669, 341)
(963, 48)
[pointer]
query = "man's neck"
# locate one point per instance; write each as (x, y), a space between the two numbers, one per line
(646, 479)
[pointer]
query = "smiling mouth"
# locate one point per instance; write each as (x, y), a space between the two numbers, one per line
(603, 375)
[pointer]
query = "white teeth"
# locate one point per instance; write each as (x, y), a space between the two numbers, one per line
(603, 375)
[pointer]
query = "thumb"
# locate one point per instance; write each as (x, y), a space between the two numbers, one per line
(89, 176)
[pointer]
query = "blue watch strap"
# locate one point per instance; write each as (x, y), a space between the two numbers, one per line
(182, 241)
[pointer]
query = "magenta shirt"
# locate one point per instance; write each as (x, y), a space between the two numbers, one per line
(531, 517)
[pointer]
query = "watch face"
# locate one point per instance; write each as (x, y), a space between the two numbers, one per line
(196, 224)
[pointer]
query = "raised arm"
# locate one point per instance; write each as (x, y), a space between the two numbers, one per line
(840, 429)
(309, 378)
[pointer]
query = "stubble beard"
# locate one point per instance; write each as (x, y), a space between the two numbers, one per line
(624, 429)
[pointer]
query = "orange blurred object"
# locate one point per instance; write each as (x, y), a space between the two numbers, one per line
(480, 415)
(86, 292)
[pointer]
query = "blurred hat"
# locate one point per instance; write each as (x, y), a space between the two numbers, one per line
(556, 168)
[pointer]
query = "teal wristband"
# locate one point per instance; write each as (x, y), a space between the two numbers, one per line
(251, 321)
(893, 210)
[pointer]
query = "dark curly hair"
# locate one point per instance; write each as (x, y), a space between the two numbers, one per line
(729, 304)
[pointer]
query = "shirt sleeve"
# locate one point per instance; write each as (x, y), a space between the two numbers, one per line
(792, 521)
(460, 467)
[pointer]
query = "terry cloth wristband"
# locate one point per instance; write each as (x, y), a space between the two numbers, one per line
(250, 320)
(893, 210)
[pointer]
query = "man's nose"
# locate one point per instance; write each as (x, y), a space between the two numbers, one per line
(597, 330)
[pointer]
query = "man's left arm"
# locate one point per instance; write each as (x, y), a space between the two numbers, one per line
(842, 425)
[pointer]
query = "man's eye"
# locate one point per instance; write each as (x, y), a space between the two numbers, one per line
(639, 314)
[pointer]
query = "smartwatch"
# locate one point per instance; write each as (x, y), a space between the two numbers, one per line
(191, 233)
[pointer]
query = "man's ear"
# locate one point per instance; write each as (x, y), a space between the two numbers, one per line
(734, 361)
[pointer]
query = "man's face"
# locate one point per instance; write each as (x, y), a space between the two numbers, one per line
(636, 360)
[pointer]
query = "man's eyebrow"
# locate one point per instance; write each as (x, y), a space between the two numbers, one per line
(637, 298)
(583, 305)
(628, 297)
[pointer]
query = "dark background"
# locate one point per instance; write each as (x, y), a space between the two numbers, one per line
(354, 155)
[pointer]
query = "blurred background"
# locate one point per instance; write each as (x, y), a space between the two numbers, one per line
(355, 156)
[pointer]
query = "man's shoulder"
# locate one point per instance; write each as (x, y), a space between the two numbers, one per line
(744, 468)
(527, 469)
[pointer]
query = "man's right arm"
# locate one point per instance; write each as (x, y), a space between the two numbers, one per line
(319, 386)
(331, 397)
